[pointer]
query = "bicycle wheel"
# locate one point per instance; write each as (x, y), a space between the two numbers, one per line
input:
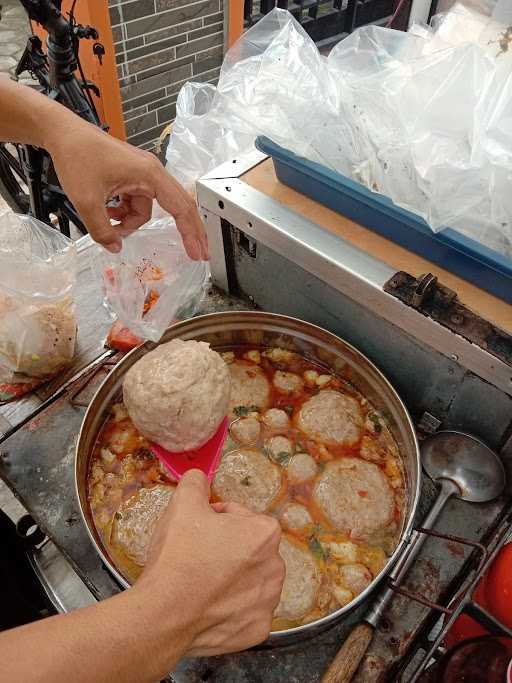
(12, 182)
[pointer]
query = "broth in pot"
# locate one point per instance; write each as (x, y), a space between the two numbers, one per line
(304, 446)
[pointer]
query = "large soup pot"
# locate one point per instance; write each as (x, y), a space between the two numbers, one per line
(223, 330)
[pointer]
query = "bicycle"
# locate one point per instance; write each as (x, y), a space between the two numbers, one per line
(28, 181)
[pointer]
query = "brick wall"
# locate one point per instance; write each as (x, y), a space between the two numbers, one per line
(161, 44)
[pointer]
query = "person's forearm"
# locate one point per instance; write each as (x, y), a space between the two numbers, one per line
(29, 118)
(121, 639)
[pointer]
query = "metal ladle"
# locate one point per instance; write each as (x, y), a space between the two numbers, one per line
(464, 467)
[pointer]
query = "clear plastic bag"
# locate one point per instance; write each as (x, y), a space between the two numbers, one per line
(151, 282)
(38, 270)
(422, 117)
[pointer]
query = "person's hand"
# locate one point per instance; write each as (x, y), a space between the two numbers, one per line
(224, 561)
(93, 167)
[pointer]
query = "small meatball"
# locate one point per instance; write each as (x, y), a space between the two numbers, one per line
(302, 467)
(371, 450)
(296, 517)
(250, 388)
(344, 552)
(228, 357)
(332, 418)
(355, 496)
(301, 582)
(372, 557)
(392, 471)
(355, 577)
(107, 456)
(342, 595)
(278, 355)
(288, 382)
(276, 421)
(279, 449)
(253, 356)
(323, 380)
(310, 377)
(246, 430)
(247, 477)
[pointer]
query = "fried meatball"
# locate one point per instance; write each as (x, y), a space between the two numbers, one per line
(288, 382)
(301, 582)
(355, 577)
(355, 496)
(332, 418)
(295, 517)
(246, 430)
(249, 387)
(276, 421)
(136, 519)
(246, 476)
(301, 468)
(279, 448)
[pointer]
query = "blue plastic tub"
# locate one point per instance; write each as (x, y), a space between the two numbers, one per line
(449, 249)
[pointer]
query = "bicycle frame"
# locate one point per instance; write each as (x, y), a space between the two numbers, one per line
(55, 72)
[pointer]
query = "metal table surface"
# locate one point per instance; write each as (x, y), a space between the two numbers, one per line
(37, 462)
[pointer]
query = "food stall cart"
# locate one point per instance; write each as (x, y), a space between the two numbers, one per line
(449, 357)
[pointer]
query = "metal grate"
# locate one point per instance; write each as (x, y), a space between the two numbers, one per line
(325, 20)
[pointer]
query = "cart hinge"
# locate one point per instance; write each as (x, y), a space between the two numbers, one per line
(434, 300)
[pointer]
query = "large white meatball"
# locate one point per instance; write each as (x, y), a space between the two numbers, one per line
(136, 519)
(249, 388)
(178, 394)
(246, 476)
(332, 418)
(302, 467)
(301, 582)
(355, 496)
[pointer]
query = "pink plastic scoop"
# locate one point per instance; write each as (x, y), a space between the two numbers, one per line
(205, 458)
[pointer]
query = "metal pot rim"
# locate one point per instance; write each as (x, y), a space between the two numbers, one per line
(260, 319)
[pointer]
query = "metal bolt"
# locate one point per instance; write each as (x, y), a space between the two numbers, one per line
(457, 319)
(454, 356)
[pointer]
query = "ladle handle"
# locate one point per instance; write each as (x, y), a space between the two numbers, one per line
(349, 656)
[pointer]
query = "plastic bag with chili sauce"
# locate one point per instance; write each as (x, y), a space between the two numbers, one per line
(150, 283)
(37, 316)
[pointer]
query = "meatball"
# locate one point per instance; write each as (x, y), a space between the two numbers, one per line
(136, 519)
(301, 582)
(332, 418)
(355, 577)
(178, 394)
(355, 496)
(296, 517)
(301, 468)
(249, 387)
(276, 421)
(279, 449)
(246, 476)
(288, 382)
(246, 430)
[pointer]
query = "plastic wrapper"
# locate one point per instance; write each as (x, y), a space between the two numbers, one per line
(151, 282)
(422, 117)
(37, 315)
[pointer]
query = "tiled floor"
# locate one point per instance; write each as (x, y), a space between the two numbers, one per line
(14, 30)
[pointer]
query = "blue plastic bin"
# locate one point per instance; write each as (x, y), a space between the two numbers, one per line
(449, 249)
